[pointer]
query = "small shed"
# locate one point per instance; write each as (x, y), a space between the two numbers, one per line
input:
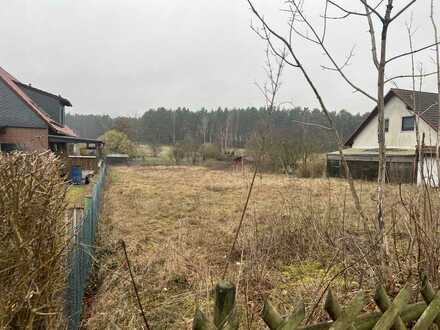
(117, 159)
(401, 164)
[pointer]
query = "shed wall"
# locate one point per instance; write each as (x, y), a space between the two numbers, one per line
(396, 172)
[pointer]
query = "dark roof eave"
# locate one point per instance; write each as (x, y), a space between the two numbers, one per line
(71, 139)
(61, 99)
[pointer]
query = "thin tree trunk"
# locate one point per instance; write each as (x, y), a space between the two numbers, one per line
(381, 141)
(437, 58)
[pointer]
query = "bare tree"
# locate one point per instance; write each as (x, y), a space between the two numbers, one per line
(204, 127)
(310, 32)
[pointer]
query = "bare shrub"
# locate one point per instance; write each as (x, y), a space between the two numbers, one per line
(211, 151)
(312, 166)
(32, 205)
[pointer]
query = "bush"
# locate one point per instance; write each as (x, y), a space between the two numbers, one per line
(311, 167)
(118, 142)
(211, 151)
(32, 206)
(179, 152)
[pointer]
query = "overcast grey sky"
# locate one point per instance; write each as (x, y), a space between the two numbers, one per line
(123, 57)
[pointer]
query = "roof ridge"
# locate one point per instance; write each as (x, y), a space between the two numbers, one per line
(11, 82)
(59, 97)
(413, 91)
(3, 72)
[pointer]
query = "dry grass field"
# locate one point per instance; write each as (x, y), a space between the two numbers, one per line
(299, 236)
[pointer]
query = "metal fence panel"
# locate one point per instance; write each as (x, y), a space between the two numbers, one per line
(80, 255)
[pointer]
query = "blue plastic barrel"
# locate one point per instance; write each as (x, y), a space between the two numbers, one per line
(76, 174)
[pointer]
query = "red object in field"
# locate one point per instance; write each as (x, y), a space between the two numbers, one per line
(237, 160)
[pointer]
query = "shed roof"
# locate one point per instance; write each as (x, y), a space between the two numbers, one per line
(425, 104)
(73, 139)
(13, 84)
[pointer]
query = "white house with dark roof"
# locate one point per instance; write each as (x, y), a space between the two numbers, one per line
(401, 106)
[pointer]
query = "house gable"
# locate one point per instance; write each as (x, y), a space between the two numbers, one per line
(54, 126)
(52, 104)
(14, 112)
(395, 110)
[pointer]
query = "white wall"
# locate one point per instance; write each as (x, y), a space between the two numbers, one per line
(429, 172)
(395, 109)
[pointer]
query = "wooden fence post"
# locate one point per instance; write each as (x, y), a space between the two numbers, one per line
(394, 314)
(225, 310)
(384, 302)
(389, 317)
(274, 320)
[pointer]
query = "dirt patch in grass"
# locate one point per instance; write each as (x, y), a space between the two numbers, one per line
(178, 223)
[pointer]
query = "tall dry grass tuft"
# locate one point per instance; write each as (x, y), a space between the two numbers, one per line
(312, 166)
(32, 241)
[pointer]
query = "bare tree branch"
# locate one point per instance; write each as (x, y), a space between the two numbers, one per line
(373, 39)
(326, 51)
(373, 10)
(323, 107)
(410, 76)
(403, 10)
(412, 52)
(312, 124)
(346, 63)
(346, 11)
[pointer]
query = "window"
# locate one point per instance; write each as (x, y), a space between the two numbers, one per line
(387, 124)
(9, 147)
(408, 123)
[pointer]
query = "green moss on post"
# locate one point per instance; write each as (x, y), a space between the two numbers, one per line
(428, 295)
(383, 301)
(332, 306)
(389, 317)
(349, 314)
(201, 322)
(429, 315)
(224, 309)
(270, 315)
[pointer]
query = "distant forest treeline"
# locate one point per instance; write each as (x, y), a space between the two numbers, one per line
(225, 127)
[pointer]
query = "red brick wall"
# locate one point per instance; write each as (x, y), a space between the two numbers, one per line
(30, 138)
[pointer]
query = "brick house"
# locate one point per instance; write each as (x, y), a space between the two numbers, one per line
(32, 119)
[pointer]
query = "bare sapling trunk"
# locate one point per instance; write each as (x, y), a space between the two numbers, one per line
(437, 62)
(317, 37)
(297, 63)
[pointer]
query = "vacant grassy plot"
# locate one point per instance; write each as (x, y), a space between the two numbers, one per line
(178, 223)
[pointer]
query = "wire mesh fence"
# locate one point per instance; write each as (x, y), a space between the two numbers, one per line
(80, 256)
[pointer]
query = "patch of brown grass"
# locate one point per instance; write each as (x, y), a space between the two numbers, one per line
(178, 223)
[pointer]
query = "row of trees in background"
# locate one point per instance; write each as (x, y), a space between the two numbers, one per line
(234, 128)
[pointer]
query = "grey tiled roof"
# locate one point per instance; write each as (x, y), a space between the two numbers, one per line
(426, 104)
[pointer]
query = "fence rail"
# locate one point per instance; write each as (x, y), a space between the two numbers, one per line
(393, 314)
(80, 255)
